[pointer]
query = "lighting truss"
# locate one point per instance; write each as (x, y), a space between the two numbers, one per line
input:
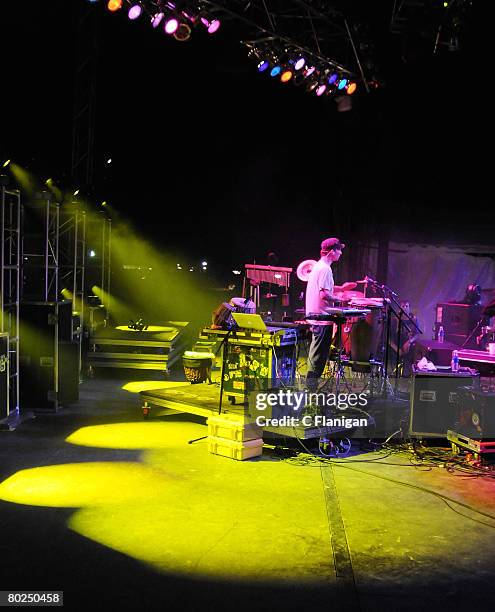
(442, 21)
(312, 27)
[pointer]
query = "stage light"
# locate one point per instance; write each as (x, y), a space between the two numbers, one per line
(286, 76)
(299, 63)
(171, 25)
(157, 19)
(320, 90)
(263, 65)
(92, 253)
(135, 11)
(276, 70)
(351, 88)
(333, 78)
(309, 71)
(6, 163)
(183, 32)
(76, 192)
(114, 5)
(342, 83)
(211, 26)
(204, 263)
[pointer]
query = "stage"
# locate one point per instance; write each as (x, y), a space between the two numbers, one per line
(137, 516)
(204, 400)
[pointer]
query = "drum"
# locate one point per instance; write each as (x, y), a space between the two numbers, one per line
(197, 366)
(221, 317)
(366, 336)
(242, 305)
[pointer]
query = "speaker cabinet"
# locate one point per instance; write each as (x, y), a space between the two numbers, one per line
(440, 353)
(434, 397)
(475, 415)
(68, 373)
(457, 320)
(42, 326)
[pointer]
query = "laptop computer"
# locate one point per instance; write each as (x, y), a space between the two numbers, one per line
(249, 321)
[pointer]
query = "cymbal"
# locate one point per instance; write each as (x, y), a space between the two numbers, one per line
(304, 269)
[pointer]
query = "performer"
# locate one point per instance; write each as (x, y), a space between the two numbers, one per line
(320, 295)
(472, 297)
(407, 353)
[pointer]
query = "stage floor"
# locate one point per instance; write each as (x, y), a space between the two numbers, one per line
(204, 400)
(108, 507)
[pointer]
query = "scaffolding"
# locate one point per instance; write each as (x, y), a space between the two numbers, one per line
(72, 257)
(10, 237)
(98, 265)
(40, 245)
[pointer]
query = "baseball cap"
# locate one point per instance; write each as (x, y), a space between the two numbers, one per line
(331, 243)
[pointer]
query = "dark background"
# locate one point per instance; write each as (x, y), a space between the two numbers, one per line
(217, 161)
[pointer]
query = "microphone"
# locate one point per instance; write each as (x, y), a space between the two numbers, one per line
(368, 279)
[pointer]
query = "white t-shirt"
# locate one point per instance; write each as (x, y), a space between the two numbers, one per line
(321, 277)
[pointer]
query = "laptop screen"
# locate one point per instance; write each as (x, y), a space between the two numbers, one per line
(249, 321)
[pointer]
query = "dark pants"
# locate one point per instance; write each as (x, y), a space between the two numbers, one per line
(318, 352)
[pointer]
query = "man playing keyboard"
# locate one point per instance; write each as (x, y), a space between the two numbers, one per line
(320, 296)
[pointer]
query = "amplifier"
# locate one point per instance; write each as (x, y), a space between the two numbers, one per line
(433, 400)
(475, 413)
(457, 320)
(439, 353)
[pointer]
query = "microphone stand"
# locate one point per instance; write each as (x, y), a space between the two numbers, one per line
(223, 345)
(399, 312)
(473, 332)
(390, 297)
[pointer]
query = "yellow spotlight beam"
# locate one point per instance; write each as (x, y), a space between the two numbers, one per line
(25, 179)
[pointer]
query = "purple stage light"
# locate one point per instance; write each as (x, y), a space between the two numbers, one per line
(332, 78)
(157, 19)
(171, 25)
(299, 63)
(321, 90)
(213, 27)
(135, 11)
(309, 71)
(262, 66)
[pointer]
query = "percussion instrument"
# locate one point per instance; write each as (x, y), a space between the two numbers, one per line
(336, 313)
(363, 302)
(304, 269)
(197, 366)
(242, 305)
(346, 296)
(221, 317)
(366, 333)
(268, 274)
